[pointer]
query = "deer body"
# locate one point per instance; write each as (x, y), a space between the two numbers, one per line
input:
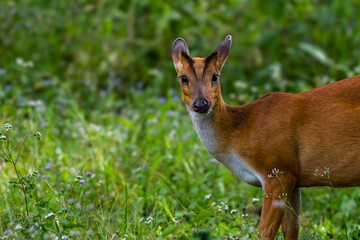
(298, 134)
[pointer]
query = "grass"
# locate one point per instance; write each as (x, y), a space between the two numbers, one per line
(146, 176)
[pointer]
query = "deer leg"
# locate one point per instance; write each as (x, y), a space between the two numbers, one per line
(290, 223)
(277, 190)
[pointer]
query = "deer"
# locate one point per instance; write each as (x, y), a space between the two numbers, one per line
(280, 142)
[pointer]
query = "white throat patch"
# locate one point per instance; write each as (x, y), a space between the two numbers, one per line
(204, 129)
(231, 160)
(241, 169)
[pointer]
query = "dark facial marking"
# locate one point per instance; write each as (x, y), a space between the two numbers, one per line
(188, 59)
(209, 58)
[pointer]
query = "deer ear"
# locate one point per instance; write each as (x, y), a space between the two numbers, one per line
(178, 46)
(223, 52)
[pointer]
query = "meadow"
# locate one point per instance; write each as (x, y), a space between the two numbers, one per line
(96, 143)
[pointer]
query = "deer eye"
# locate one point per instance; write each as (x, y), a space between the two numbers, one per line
(184, 79)
(214, 78)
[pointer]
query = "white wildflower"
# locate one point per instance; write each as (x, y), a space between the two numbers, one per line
(207, 196)
(233, 211)
(18, 227)
(49, 215)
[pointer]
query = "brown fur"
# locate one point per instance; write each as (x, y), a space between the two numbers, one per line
(296, 133)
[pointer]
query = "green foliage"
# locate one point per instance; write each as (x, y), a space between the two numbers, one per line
(117, 156)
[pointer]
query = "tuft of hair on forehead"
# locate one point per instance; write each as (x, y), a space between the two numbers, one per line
(188, 59)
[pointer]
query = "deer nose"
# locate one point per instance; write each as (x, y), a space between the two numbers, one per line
(201, 105)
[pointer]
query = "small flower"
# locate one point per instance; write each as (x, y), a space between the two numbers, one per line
(72, 169)
(23, 63)
(218, 208)
(162, 100)
(2, 71)
(73, 233)
(18, 227)
(284, 195)
(170, 113)
(7, 231)
(3, 137)
(82, 182)
(64, 237)
(325, 174)
(276, 172)
(207, 196)
(37, 135)
(140, 85)
(148, 220)
(233, 211)
(7, 126)
(50, 215)
(223, 202)
(32, 229)
(58, 151)
(113, 236)
(255, 200)
(136, 170)
(19, 61)
(141, 219)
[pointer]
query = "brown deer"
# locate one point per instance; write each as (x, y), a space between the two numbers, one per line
(278, 142)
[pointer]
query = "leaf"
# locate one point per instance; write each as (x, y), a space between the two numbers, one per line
(127, 123)
(167, 210)
(316, 52)
(169, 230)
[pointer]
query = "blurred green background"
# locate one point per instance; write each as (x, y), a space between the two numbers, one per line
(96, 78)
(102, 51)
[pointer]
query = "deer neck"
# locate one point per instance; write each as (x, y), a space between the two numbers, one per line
(211, 127)
(216, 130)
